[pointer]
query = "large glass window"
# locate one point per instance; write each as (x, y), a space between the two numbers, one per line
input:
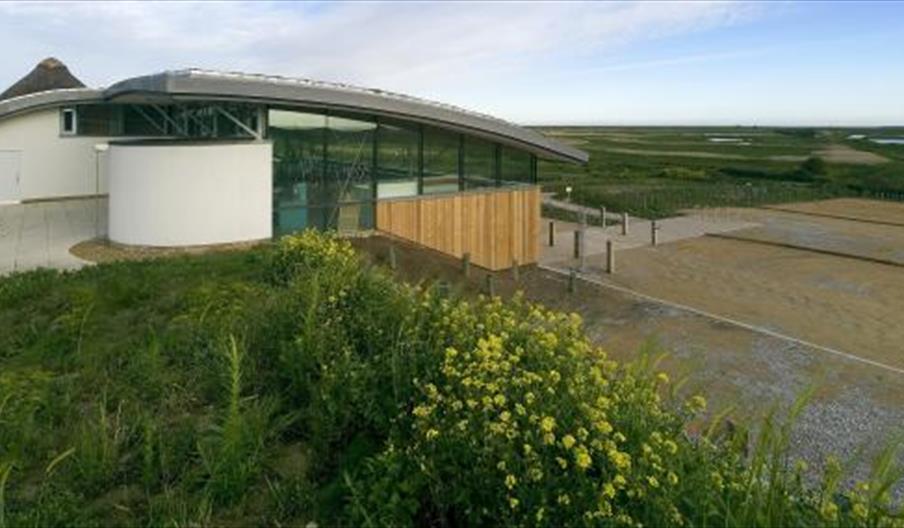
(440, 161)
(480, 163)
(397, 160)
(322, 171)
(349, 168)
(98, 120)
(184, 120)
(516, 165)
(299, 151)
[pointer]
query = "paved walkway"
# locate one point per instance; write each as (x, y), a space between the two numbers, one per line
(36, 235)
(670, 230)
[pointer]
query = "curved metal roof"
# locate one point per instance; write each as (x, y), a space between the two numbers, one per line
(187, 85)
(49, 99)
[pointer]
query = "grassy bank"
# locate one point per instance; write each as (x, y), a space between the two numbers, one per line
(293, 383)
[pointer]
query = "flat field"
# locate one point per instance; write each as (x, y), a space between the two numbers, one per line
(656, 171)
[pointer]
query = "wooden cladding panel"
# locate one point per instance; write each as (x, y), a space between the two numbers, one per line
(494, 226)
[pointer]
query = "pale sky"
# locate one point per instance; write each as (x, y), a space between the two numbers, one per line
(594, 63)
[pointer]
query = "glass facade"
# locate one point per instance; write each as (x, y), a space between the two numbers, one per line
(516, 166)
(328, 168)
(398, 163)
(479, 163)
(441, 158)
(328, 171)
(188, 120)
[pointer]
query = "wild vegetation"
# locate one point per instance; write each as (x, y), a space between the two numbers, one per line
(294, 383)
(658, 171)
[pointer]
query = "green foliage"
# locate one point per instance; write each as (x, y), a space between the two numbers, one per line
(291, 383)
(815, 165)
(656, 172)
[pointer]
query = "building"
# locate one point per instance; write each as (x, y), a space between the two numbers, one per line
(197, 157)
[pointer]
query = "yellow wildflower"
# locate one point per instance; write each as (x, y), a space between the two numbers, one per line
(432, 433)
(829, 511)
(510, 481)
(513, 502)
(564, 499)
(662, 377)
(671, 446)
(697, 403)
(568, 441)
(583, 459)
(860, 511)
(562, 462)
(539, 515)
(609, 490)
(672, 478)
(547, 424)
(549, 438)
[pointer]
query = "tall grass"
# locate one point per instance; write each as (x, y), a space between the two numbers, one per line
(292, 384)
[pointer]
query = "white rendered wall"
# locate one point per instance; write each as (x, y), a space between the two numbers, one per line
(51, 165)
(190, 194)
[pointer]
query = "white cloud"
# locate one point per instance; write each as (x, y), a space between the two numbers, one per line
(420, 48)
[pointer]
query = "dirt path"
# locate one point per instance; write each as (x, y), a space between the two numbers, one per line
(846, 154)
(845, 304)
(874, 210)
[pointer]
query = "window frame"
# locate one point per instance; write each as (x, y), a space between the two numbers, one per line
(70, 111)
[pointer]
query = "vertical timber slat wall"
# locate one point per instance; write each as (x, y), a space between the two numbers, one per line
(495, 226)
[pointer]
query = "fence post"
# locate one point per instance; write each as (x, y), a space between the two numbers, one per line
(572, 280)
(491, 285)
(393, 262)
(603, 217)
(654, 232)
(624, 223)
(516, 271)
(577, 243)
(466, 264)
(610, 257)
(552, 233)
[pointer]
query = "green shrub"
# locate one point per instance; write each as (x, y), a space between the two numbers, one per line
(294, 382)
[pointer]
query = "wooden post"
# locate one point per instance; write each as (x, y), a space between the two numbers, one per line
(624, 223)
(610, 257)
(654, 232)
(491, 285)
(393, 261)
(603, 217)
(572, 281)
(577, 243)
(516, 271)
(552, 233)
(466, 264)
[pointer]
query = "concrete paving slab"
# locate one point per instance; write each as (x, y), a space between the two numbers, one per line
(35, 235)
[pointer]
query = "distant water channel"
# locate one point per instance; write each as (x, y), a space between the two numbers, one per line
(888, 141)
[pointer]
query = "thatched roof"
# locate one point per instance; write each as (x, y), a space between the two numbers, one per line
(49, 74)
